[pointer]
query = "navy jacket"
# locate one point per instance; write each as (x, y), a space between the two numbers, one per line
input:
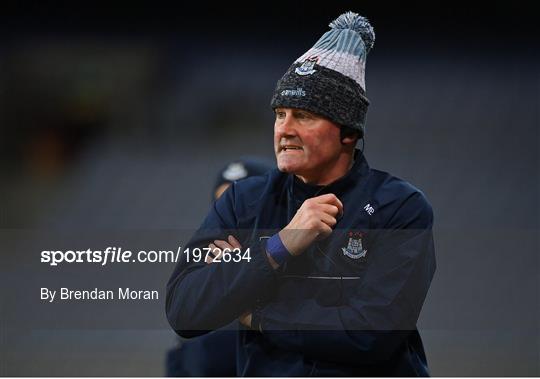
(212, 354)
(347, 306)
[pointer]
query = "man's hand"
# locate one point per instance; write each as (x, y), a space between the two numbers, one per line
(217, 250)
(314, 220)
(245, 319)
(219, 245)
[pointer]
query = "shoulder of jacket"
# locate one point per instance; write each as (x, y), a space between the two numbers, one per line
(253, 189)
(398, 199)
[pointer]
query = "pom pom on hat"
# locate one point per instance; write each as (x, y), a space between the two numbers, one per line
(359, 24)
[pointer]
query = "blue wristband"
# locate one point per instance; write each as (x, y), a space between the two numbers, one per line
(276, 249)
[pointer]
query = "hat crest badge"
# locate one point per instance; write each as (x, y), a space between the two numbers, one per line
(307, 66)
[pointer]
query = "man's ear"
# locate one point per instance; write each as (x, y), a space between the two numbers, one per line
(349, 136)
(351, 139)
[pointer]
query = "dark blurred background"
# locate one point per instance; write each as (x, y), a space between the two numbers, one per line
(118, 116)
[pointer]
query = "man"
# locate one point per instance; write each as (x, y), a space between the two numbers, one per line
(339, 256)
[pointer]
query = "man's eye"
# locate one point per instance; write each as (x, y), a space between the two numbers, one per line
(280, 114)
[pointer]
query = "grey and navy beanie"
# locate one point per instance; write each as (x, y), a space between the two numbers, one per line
(329, 78)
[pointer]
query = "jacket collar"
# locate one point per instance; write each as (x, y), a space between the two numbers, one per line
(301, 191)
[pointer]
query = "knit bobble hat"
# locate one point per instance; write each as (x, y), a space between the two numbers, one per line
(329, 78)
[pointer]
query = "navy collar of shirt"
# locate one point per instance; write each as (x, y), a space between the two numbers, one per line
(301, 191)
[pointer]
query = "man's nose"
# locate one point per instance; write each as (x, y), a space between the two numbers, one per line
(287, 126)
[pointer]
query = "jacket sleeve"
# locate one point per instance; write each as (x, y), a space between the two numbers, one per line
(379, 312)
(202, 297)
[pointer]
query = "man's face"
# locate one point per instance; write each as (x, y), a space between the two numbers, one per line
(308, 146)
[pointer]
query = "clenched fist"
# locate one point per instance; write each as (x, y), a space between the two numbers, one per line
(314, 220)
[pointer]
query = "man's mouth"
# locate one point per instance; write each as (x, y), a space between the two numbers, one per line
(290, 147)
